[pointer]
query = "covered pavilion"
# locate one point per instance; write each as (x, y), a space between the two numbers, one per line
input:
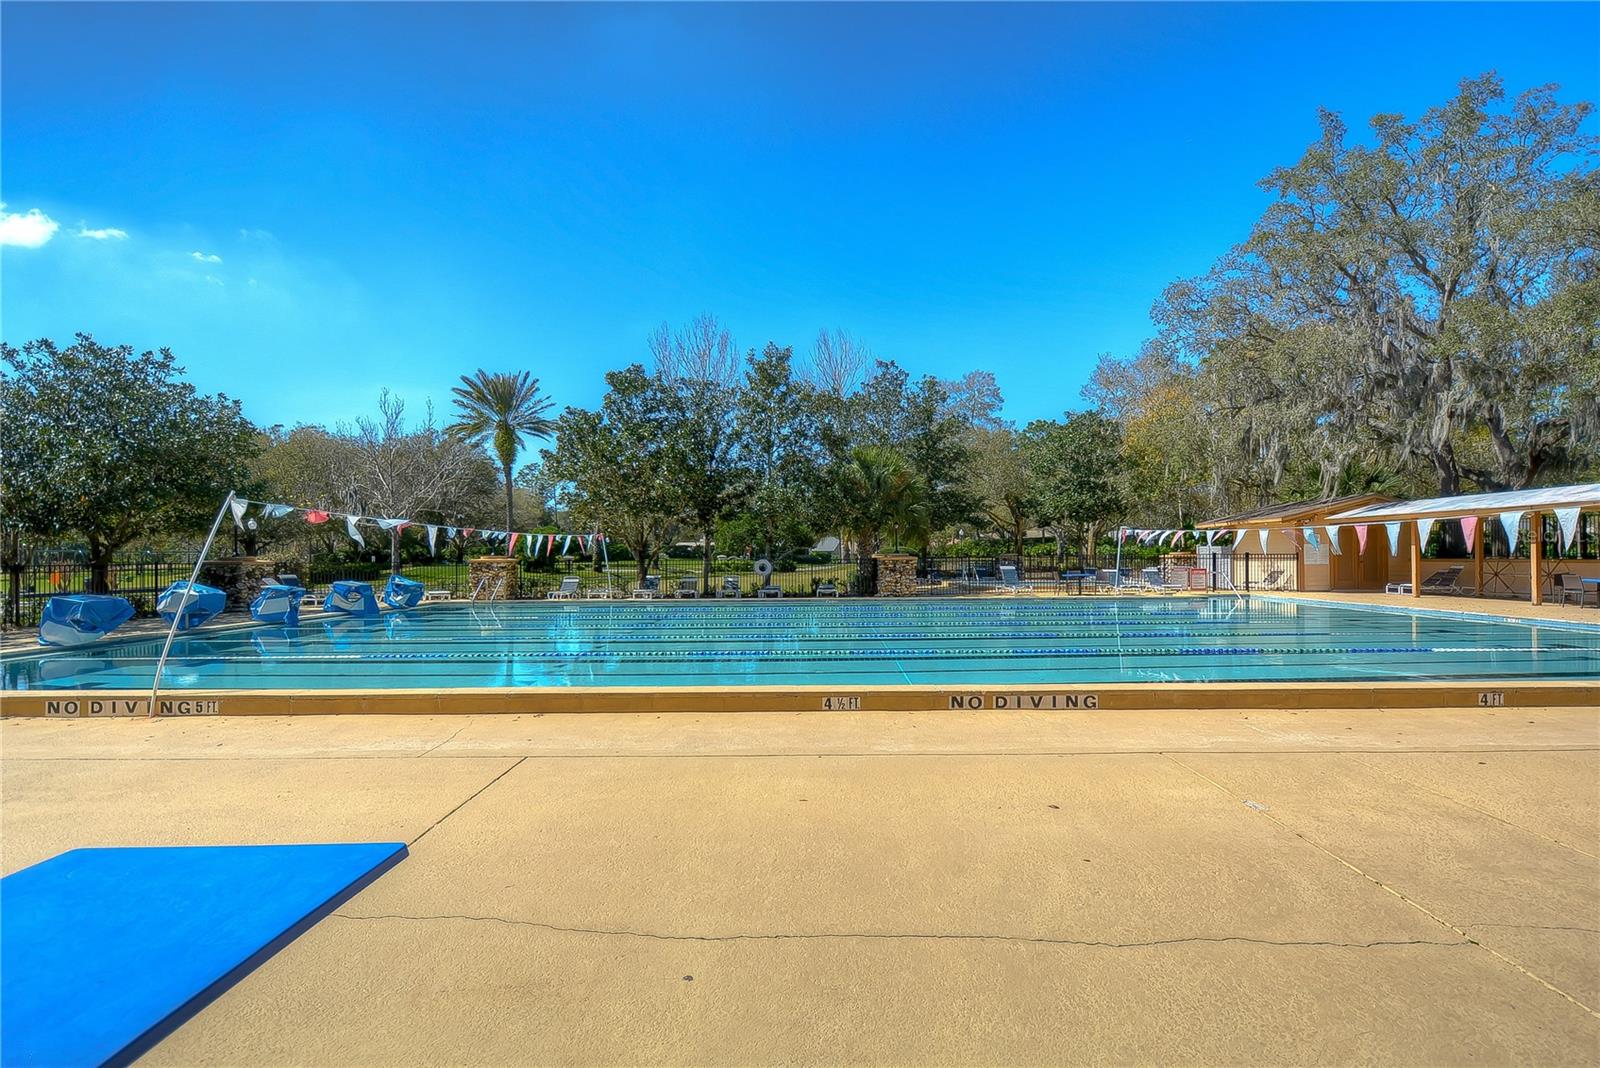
(1511, 510)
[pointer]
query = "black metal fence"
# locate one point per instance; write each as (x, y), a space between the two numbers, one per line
(140, 575)
(42, 572)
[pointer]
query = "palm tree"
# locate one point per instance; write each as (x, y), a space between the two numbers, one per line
(499, 410)
(884, 495)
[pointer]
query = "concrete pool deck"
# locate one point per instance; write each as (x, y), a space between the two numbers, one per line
(1255, 886)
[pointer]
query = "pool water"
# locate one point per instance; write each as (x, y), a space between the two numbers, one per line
(829, 642)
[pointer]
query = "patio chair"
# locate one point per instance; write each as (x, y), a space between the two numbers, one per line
(567, 591)
(730, 587)
(439, 595)
(1009, 582)
(770, 589)
(597, 593)
(1570, 589)
(1446, 581)
(688, 586)
(828, 588)
(649, 588)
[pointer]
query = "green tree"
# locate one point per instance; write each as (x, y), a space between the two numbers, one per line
(1074, 466)
(615, 466)
(884, 498)
(111, 445)
(780, 447)
(1425, 298)
(499, 410)
(999, 477)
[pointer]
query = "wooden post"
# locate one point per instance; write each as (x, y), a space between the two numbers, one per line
(1416, 559)
(1535, 550)
(1477, 560)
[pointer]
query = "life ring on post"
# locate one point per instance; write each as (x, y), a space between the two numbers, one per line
(763, 567)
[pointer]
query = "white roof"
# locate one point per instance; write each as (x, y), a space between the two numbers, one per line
(1585, 496)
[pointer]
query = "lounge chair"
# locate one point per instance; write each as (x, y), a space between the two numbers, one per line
(688, 586)
(770, 589)
(1569, 589)
(1446, 581)
(567, 591)
(597, 593)
(729, 587)
(649, 588)
(827, 589)
(439, 595)
(1009, 582)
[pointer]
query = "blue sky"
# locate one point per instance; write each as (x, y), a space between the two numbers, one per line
(317, 201)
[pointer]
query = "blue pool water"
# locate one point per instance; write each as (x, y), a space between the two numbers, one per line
(827, 642)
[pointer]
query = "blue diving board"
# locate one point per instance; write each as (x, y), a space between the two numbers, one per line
(104, 952)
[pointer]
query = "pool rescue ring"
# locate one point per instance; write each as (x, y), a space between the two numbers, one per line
(763, 567)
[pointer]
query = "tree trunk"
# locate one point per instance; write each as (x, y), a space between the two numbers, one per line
(705, 564)
(507, 469)
(99, 566)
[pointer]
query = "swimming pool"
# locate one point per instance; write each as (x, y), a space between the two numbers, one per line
(820, 642)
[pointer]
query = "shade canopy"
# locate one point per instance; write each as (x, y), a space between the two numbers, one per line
(1583, 496)
(1294, 513)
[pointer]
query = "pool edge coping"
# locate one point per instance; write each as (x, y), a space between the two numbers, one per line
(1107, 697)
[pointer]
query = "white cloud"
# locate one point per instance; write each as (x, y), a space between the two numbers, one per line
(28, 230)
(257, 235)
(110, 233)
(206, 257)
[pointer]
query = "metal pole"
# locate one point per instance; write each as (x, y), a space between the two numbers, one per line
(1116, 576)
(194, 576)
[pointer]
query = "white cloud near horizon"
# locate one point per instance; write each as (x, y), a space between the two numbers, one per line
(26, 230)
(109, 233)
(206, 257)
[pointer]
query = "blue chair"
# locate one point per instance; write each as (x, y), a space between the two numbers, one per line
(80, 618)
(401, 592)
(351, 598)
(278, 604)
(190, 605)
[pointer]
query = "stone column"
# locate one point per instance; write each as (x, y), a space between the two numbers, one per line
(897, 574)
(240, 577)
(494, 569)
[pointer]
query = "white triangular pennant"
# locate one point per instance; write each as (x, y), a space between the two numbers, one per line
(237, 506)
(1333, 539)
(1511, 523)
(350, 525)
(1424, 528)
(1567, 518)
(1262, 533)
(1393, 530)
(433, 537)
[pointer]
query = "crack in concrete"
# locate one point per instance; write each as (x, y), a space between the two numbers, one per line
(469, 799)
(946, 936)
(1395, 892)
(446, 742)
(1535, 927)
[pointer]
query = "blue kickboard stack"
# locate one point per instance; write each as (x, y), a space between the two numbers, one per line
(277, 604)
(192, 605)
(80, 618)
(402, 592)
(104, 952)
(351, 598)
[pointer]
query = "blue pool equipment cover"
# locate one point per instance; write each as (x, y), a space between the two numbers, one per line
(79, 618)
(277, 604)
(193, 605)
(104, 952)
(352, 598)
(403, 592)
